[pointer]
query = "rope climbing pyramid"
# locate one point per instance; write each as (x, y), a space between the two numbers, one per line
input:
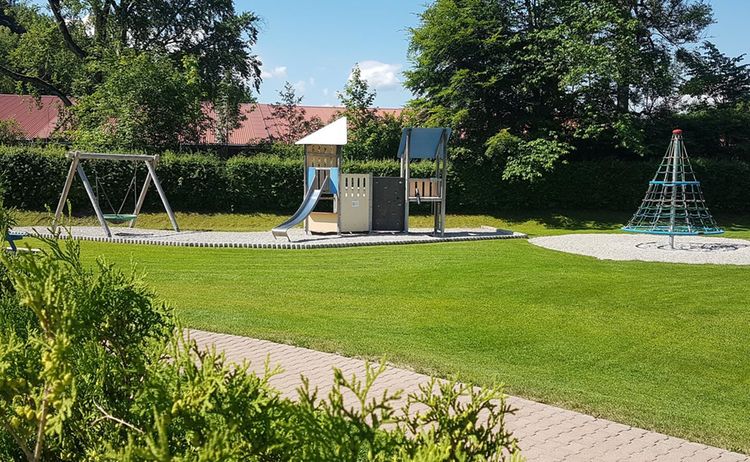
(674, 204)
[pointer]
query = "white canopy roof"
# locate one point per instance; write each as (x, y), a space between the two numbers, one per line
(333, 134)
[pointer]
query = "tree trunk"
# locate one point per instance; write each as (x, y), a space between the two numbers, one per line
(623, 98)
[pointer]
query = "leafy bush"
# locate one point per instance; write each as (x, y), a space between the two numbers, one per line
(144, 102)
(92, 369)
(264, 183)
(11, 131)
(525, 160)
(33, 178)
(195, 182)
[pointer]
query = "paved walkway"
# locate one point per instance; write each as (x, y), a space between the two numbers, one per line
(545, 433)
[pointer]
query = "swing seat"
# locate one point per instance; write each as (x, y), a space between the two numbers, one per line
(119, 218)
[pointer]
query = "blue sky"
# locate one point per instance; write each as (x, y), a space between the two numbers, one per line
(314, 44)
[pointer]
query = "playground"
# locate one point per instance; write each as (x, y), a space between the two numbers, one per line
(338, 209)
(654, 344)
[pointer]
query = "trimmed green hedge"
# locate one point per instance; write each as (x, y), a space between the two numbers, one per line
(32, 179)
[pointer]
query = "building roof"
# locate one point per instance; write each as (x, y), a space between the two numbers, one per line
(39, 121)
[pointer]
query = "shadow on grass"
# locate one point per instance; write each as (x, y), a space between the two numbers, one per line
(569, 220)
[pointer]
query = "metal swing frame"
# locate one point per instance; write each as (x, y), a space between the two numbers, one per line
(76, 167)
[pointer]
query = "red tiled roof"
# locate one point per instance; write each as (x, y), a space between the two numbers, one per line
(40, 121)
(37, 120)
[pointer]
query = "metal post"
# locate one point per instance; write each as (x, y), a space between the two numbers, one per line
(65, 191)
(444, 181)
(94, 201)
(673, 211)
(337, 196)
(406, 175)
(305, 180)
(167, 208)
(444, 185)
(141, 200)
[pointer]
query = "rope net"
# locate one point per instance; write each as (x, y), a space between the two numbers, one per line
(674, 203)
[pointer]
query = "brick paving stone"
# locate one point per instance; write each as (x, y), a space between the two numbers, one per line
(546, 433)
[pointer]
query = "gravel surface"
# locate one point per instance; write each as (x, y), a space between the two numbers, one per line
(643, 247)
(265, 240)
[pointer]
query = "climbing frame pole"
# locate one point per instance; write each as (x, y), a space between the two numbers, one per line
(94, 200)
(444, 180)
(406, 173)
(66, 190)
(152, 173)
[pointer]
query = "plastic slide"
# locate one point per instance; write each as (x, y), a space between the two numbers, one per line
(308, 205)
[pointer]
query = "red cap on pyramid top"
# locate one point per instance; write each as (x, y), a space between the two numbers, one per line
(677, 131)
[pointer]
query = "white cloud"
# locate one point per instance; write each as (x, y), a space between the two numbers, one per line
(311, 81)
(276, 72)
(381, 76)
(300, 86)
(325, 92)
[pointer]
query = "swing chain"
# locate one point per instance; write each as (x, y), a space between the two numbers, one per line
(132, 186)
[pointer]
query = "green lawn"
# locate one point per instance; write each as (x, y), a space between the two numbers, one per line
(660, 346)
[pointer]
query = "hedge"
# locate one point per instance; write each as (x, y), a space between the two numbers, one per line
(32, 178)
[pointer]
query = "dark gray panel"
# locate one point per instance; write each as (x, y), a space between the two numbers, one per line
(387, 203)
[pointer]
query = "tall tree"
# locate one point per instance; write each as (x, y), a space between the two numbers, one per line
(144, 103)
(227, 107)
(371, 135)
(548, 68)
(289, 118)
(65, 52)
(357, 99)
(715, 78)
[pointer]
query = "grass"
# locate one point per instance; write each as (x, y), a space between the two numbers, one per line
(661, 346)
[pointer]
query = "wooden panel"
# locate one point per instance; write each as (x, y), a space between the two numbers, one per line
(355, 194)
(322, 222)
(424, 188)
(321, 149)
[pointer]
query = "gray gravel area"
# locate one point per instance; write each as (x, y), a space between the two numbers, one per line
(643, 247)
(265, 240)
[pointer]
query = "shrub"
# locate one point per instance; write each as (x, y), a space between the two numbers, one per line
(33, 178)
(11, 131)
(194, 182)
(93, 369)
(264, 183)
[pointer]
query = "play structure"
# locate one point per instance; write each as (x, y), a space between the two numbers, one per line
(338, 202)
(11, 237)
(674, 204)
(116, 216)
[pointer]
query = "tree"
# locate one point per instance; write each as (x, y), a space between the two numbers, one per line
(290, 119)
(713, 77)
(357, 99)
(144, 103)
(65, 53)
(371, 136)
(558, 69)
(227, 109)
(11, 131)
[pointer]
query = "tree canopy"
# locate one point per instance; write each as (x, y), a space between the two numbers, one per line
(567, 71)
(73, 48)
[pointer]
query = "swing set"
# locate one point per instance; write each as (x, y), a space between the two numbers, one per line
(116, 217)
